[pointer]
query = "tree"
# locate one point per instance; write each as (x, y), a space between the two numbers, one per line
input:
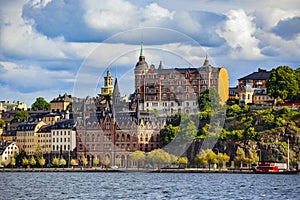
(118, 161)
(201, 158)
(183, 161)
(158, 157)
(21, 116)
(283, 83)
(40, 104)
(95, 161)
(25, 162)
(63, 162)
(187, 130)
(2, 123)
(55, 162)
(13, 162)
(253, 157)
(223, 158)
(211, 157)
(84, 161)
(73, 162)
(209, 100)
(32, 161)
(168, 133)
(138, 156)
(3, 163)
(107, 161)
(42, 161)
(240, 157)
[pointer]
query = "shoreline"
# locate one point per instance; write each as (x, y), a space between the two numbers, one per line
(135, 170)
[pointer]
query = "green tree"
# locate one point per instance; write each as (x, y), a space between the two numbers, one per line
(201, 158)
(21, 116)
(55, 162)
(209, 100)
(158, 157)
(183, 161)
(283, 83)
(168, 133)
(187, 130)
(95, 161)
(2, 123)
(40, 104)
(32, 161)
(138, 156)
(42, 161)
(63, 162)
(240, 157)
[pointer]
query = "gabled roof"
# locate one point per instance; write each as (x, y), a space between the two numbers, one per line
(261, 74)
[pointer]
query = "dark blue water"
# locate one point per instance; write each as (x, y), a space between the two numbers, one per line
(147, 186)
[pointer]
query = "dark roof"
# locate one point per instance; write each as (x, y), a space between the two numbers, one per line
(4, 145)
(64, 124)
(28, 126)
(261, 74)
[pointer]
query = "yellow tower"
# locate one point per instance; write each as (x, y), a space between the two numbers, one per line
(108, 87)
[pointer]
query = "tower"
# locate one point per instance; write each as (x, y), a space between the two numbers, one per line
(141, 68)
(108, 87)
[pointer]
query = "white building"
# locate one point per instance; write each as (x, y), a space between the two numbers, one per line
(63, 137)
(7, 151)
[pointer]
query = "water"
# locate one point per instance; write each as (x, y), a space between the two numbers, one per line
(143, 186)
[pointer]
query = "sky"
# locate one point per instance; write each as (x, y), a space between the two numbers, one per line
(52, 47)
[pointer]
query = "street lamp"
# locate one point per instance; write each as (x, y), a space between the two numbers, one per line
(259, 154)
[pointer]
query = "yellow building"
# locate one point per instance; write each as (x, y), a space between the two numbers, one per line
(108, 87)
(60, 103)
(27, 136)
(51, 118)
(44, 139)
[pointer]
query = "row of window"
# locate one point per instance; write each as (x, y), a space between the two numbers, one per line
(61, 147)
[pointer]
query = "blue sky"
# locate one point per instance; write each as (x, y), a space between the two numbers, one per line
(49, 47)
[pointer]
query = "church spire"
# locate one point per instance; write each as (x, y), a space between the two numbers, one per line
(141, 50)
(206, 62)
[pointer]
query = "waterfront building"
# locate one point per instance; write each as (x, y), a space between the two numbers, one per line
(252, 89)
(63, 138)
(169, 91)
(27, 136)
(7, 151)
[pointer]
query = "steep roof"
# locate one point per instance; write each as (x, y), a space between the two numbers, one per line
(261, 74)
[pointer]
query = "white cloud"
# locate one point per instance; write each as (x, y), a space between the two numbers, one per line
(30, 77)
(110, 14)
(19, 38)
(270, 16)
(39, 3)
(238, 31)
(117, 15)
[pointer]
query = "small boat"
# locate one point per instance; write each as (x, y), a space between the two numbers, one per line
(273, 168)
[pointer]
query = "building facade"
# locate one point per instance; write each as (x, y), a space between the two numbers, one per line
(7, 151)
(252, 89)
(169, 91)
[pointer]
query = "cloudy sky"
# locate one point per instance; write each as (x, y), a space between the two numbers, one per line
(51, 47)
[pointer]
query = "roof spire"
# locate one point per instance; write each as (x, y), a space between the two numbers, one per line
(206, 60)
(141, 51)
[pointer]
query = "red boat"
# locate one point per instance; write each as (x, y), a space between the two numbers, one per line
(273, 168)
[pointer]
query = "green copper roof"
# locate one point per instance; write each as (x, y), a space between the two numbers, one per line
(141, 51)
